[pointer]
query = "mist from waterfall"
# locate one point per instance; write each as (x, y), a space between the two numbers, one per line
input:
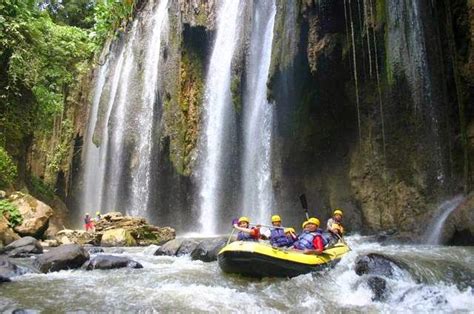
(258, 117)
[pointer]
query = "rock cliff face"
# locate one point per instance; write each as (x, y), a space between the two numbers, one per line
(373, 105)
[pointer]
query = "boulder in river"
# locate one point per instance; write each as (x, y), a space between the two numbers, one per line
(69, 256)
(36, 215)
(23, 247)
(186, 247)
(4, 279)
(376, 264)
(170, 248)
(111, 262)
(208, 249)
(7, 235)
(8, 269)
(118, 237)
(80, 237)
(143, 233)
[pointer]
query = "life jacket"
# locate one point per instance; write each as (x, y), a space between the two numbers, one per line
(305, 239)
(324, 236)
(333, 224)
(279, 238)
(243, 236)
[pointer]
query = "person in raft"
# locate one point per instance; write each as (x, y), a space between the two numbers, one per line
(246, 233)
(334, 225)
(311, 240)
(280, 237)
(88, 223)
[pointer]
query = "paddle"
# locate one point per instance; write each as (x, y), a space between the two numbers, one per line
(304, 204)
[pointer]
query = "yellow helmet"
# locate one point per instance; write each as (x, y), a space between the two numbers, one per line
(312, 220)
(338, 211)
(276, 218)
(244, 219)
(97, 213)
(289, 230)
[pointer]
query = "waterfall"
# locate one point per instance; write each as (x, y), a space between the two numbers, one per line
(118, 118)
(117, 174)
(217, 109)
(433, 233)
(258, 117)
(408, 54)
(141, 178)
(92, 152)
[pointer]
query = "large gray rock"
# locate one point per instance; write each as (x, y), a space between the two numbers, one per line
(208, 249)
(170, 248)
(69, 256)
(186, 247)
(377, 264)
(9, 270)
(23, 247)
(110, 262)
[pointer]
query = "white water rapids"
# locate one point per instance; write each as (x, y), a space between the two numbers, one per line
(177, 284)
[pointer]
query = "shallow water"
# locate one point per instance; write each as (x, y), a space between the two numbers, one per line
(178, 284)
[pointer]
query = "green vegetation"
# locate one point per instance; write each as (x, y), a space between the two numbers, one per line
(40, 189)
(46, 48)
(8, 170)
(11, 213)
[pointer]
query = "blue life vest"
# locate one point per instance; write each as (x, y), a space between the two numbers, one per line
(279, 238)
(305, 239)
(243, 236)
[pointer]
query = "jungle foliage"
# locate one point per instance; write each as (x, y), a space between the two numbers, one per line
(45, 47)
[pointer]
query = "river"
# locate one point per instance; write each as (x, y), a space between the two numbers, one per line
(440, 279)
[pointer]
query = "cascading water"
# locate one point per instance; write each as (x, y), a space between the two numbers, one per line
(92, 152)
(258, 117)
(433, 234)
(95, 169)
(408, 53)
(141, 178)
(119, 116)
(117, 174)
(217, 111)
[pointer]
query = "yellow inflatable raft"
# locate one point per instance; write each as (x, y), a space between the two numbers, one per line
(260, 259)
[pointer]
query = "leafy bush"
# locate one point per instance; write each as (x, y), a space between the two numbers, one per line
(7, 169)
(40, 189)
(11, 213)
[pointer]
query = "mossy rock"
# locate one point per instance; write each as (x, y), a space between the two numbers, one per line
(118, 237)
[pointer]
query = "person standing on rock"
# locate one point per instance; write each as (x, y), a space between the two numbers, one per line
(88, 223)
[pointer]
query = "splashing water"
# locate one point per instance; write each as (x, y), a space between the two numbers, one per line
(178, 284)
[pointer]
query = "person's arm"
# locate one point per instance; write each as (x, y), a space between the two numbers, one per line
(246, 230)
(318, 246)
